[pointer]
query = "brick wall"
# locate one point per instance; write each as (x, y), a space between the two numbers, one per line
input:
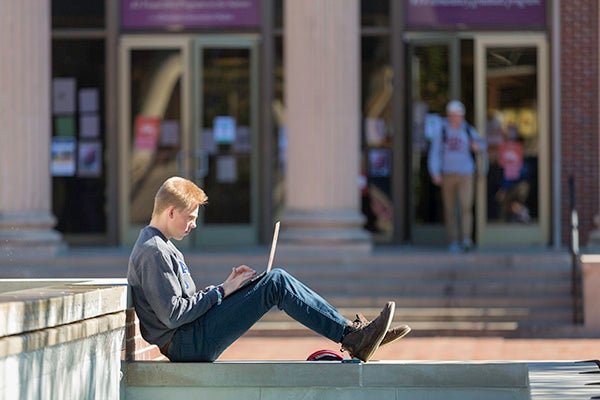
(135, 348)
(579, 120)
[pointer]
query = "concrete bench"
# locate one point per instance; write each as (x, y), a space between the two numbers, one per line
(325, 380)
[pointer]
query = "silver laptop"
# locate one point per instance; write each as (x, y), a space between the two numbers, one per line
(258, 277)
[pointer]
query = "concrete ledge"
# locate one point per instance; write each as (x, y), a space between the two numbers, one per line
(324, 380)
(40, 339)
(34, 305)
(40, 313)
(61, 339)
(590, 279)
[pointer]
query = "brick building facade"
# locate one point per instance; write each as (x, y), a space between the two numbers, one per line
(579, 114)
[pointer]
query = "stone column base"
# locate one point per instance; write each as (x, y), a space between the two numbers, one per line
(326, 231)
(28, 235)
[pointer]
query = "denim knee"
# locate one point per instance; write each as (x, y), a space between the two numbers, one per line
(278, 274)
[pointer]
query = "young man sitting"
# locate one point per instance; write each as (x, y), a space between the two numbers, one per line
(198, 325)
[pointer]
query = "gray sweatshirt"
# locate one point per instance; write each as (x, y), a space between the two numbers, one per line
(163, 292)
(453, 155)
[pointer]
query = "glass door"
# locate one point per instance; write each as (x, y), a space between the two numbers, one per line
(153, 121)
(226, 135)
(433, 81)
(511, 84)
(189, 107)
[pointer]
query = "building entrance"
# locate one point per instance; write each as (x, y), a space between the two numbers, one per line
(189, 108)
(503, 83)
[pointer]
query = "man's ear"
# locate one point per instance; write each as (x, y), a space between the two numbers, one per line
(171, 212)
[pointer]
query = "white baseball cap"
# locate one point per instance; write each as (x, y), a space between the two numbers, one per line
(455, 107)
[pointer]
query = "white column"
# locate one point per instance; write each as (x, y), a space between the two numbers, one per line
(25, 193)
(322, 88)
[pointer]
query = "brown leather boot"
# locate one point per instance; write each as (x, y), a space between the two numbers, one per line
(364, 340)
(393, 334)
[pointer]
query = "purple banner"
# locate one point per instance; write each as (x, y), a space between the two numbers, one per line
(161, 14)
(479, 14)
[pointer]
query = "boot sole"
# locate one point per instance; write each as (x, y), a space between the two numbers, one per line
(404, 333)
(383, 332)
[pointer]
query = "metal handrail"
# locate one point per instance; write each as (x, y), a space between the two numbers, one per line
(575, 256)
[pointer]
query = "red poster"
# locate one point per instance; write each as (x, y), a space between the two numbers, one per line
(147, 132)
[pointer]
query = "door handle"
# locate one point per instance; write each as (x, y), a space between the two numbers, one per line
(200, 166)
(201, 170)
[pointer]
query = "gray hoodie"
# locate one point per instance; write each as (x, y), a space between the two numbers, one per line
(163, 292)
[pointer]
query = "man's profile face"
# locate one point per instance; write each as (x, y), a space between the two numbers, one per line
(183, 221)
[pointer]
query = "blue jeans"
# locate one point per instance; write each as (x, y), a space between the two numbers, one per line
(208, 336)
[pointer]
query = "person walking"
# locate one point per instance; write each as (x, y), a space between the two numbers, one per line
(452, 165)
(188, 324)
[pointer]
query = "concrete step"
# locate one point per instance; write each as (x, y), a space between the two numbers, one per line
(506, 296)
(437, 321)
(444, 314)
(419, 328)
(481, 292)
(437, 288)
(449, 301)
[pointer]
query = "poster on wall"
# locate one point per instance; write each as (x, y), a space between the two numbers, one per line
(227, 169)
(242, 142)
(89, 159)
(208, 141)
(147, 131)
(62, 156)
(63, 95)
(224, 129)
(64, 125)
(88, 100)
(89, 126)
(380, 163)
(169, 133)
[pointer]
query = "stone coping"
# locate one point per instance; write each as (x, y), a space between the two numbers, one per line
(269, 380)
(28, 305)
(497, 375)
(43, 338)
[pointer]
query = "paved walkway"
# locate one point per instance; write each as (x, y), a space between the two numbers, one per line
(423, 348)
(555, 370)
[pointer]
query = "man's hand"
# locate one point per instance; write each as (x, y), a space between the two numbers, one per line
(475, 147)
(436, 179)
(238, 276)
